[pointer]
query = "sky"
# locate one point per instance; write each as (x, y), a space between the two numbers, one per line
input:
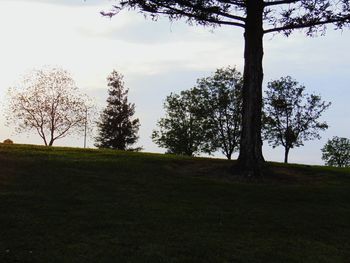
(157, 58)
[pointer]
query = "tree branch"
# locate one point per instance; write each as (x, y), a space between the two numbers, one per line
(281, 2)
(307, 24)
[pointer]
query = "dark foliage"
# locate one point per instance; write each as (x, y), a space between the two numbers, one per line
(182, 130)
(117, 128)
(336, 152)
(291, 116)
(221, 101)
(205, 118)
(278, 15)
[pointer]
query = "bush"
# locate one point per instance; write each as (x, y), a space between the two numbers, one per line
(8, 141)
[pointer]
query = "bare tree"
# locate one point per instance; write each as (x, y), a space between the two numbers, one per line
(256, 18)
(49, 103)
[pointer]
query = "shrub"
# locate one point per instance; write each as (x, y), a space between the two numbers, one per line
(8, 141)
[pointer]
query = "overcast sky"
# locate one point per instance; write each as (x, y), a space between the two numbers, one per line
(157, 58)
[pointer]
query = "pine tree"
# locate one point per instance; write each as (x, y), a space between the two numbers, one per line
(117, 129)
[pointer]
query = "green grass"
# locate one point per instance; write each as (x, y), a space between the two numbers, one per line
(75, 205)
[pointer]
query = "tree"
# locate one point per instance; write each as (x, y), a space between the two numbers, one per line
(205, 118)
(336, 152)
(221, 106)
(49, 103)
(291, 116)
(182, 130)
(117, 129)
(256, 18)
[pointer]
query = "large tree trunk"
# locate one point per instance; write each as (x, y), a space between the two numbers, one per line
(250, 157)
(286, 152)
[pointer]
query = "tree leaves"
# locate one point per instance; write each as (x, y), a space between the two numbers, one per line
(290, 115)
(205, 118)
(336, 152)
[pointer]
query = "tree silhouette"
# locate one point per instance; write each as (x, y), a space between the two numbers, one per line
(182, 130)
(221, 107)
(116, 128)
(291, 116)
(336, 152)
(204, 119)
(256, 18)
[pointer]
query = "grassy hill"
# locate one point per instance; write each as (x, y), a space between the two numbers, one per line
(75, 205)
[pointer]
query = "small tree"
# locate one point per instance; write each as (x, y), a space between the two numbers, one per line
(291, 116)
(49, 103)
(222, 109)
(336, 152)
(117, 129)
(182, 130)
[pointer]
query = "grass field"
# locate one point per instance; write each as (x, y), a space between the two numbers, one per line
(75, 205)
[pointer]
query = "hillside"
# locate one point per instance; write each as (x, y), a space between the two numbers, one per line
(75, 205)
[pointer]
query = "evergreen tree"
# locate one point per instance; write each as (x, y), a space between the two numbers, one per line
(117, 128)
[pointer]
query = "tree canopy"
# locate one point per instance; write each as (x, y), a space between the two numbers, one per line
(182, 130)
(204, 119)
(291, 116)
(278, 15)
(221, 106)
(336, 152)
